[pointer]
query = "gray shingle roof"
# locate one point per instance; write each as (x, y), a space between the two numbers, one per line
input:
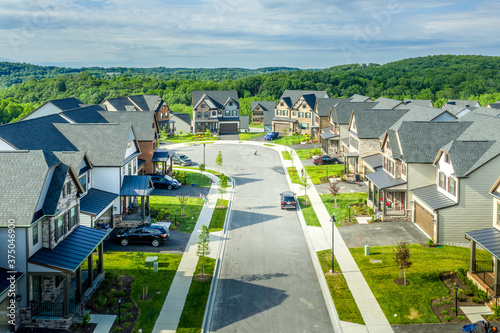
(392, 136)
(88, 114)
(387, 103)
(421, 140)
(341, 112)
(244, 122)
(325, 104)
(105, 144)
(418, 113)
(374, 161)
(66, 103)
(462, 103)
(371, 124)
(219, 97)
(185, 117)
(466, 156)
(74, 159)
(292, 96)
(494, 112)
(143, 122)
(360, 98)
(432, 197)
(55, 189)
(121, 103)
(265, 105)
(421, 102)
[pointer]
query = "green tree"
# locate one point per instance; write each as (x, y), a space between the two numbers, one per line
(223, 185)
(202, 168)
(203, 247)
(218, 161)
(182, 201)
(304, 185)
(402, 258)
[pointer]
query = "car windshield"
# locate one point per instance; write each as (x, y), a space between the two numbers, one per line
(183, 157)
(167, 177)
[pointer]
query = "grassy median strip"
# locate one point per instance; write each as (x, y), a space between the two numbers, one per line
(286, 155)
(196, 301)
(307, 210)
(294, 175)
(342, 298)
(250, 135)
(219, 216)
(411, 304)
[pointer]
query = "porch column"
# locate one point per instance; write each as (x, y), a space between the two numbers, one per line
(91, 270)
(66, 297)
(143, 208)
(495, 270)
(164, 167)
(78, 293)
(100, 266)
(382, 193)
(147, 205)
(472, 256)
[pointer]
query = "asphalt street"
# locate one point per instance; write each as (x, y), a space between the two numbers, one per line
(267, 281)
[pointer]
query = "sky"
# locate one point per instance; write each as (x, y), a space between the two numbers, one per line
(243, 33)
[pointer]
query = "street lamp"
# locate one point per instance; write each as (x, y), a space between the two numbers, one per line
(204, 154)
(119, 311)
(333, 237)
(175, 221)
(456, 298)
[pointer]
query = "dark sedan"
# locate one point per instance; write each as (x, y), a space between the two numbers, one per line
(154, 234)
(327, 160)
(160, 181)
(288, 200)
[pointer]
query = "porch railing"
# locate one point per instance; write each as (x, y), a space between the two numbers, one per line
(52, 309)
(484, 271)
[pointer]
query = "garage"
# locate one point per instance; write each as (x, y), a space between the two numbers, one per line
(225, 128)
(279, 127)
(424, 220)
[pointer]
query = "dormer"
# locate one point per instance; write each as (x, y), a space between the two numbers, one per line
(446, 180)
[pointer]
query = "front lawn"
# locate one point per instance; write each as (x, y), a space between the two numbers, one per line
(196, 301)
(171, 205)
(305, 154)
(188, 178)
(219, 216)
(291, 139)
(343, 201)
(307, 210)
(250, 135)
(186, 138)
(158, 283)
(411, 304)
(320, 175)
(342, 298)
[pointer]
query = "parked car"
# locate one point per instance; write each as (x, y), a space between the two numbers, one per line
(271, 135)
(165, 181)
(154, 233)
(181, 159)
(288, 200)
(327, 160)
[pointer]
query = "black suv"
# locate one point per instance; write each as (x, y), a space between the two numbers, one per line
(156, 234)
(164, 181)
(288, 200)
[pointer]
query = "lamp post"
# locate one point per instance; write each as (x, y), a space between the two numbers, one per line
(119, 311)
(204, 154)
(175, 221)
(333, 239)
(456, 298)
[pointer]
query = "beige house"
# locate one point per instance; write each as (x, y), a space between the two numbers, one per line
(217, 111)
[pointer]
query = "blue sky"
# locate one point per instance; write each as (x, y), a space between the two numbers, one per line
(242, 33)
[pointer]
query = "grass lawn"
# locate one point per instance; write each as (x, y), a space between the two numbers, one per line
(132, 263)
(219, 216)
(256, 126)
(411, 303)
(342, 298)
(308, 212)
(343, 202)
(187, 138)
(196, 301)
(199, 143)
(305, 154)
(171, 204)
(213, 172)
(269, 145)
(294, 175)
(290, 139)
(315, 172)
(192, 178)
(286, 155)
(250, 135)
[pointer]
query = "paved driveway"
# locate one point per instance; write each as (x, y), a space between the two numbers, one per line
(267, 281)
(382, 234)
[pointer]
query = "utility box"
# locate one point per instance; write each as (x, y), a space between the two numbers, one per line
(367, 250)
(155, 266)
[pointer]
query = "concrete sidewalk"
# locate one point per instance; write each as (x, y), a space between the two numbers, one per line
(171, 311)
(375, 320)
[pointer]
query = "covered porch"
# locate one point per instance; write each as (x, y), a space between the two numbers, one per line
(134, 187)
(351, 162)
(163, 156)
(386, 195)
(97, 206)
(329, 141)
(485, 274)
(57, 286)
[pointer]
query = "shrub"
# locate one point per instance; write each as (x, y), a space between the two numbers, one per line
(461, 318)
(430, 242)
(113, 301)
(111, 294)
(447, 318)
(120, 293)
(438, 304)
(100, 301)
(475, 299)
(86, 319)
(117, 329)
(446, 301)
(127, 324)
(453, 309)
(127, 305)
(444, 312)
(496, 311)
(128, 315)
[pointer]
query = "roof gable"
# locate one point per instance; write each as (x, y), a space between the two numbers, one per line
(466, 156)
(218, 97)
(372, 124)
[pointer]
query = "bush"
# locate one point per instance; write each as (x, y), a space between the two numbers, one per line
(447, 318)
(430, 242)
(113, 301)
(462, 274)
(461, 318)
(86, 319)
(496, 311)
(111, 294)
(120, 293)
(444, 312)
(127, 324)
(475, 299)
(438, 304)
(128, 315)
(127, 305)
(446, 301)
(117, 329)
(453, 309)
(100, 301)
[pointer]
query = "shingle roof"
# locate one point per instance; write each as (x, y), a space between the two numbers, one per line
(374, 161)
(418, 113)
(74, 159)
(421, 102)
(432, 197)
(292, 96)
(462, 103)
(341, 112)
(494, 112)
(454, 109)
(466, 156)
(105, 144)
(371, 124)
(88, 114)
(244, 122)
(219, 97)
(55, 189)
(265, 105)
(66, 103)
(185, 117)
(121, 104)
(143, 122)
(360, 98)
(386, 103)
(325, 104)
(421, 140)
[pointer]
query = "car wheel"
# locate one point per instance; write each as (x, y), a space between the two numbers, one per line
(169, 187)
(124, 241)
(336, 162)
(155, 243)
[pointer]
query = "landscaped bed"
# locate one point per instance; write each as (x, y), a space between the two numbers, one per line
(294, 175)
(341, 211)
(171, 205)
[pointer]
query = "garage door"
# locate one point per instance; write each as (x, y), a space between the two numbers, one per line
(279, 127)
(228, 128)
(424, 220)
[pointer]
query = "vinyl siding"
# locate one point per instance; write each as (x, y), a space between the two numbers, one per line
(20, 256)
(419, 174)
(106, 179)
(43, 111)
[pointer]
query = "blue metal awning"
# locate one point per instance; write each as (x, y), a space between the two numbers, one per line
(489, 239)
(162, 155)
(5, 281)
(72, 251)
(136, 186)
(140, 163)
(382, 180)
(131, 157)
(95, 201)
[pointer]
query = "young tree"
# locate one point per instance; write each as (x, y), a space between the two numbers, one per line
(202, 168)
(402, 258)
(223, 179)
(293, 154)
(180, 133)
(218, 161)
(203, 247)
(319, 163)
(334, 190)
(304, 185)
(207, 133)
(182, 200)
(284, 135)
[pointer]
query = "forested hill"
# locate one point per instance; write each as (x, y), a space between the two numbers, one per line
(15, 73)
(437, 78)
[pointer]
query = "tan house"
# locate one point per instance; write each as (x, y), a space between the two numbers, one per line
(217, 111)
(259, 109)
(321, 122)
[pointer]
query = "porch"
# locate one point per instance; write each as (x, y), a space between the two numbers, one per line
(132, 188)
(163, 157)
(329, 141)
(386, 195)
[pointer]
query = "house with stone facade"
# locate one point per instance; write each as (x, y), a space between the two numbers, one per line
(50, 244)
(321, 124)
(259, 108)
(217, 111)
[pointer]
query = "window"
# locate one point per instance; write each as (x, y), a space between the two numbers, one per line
(130, 168)
(442, 180)
(353, 141)
(135, 166)
(72, 217)
(301, 114)
(281, 104)
(83, 182)
(214, 113)
(387, 145)
(123, 170)
(59, 229)
(446, 158)
(198, 114)
(227, 113)
(202, 105)
(294, 113)
(278, 112)
(452, 186)
(308, 114)
(285, 112)
(304, 106)
(403, 169)
(304, 126)
(68, 188)
(230, 103)
(206, 114)
(35, 234)
(393, 169)
(235, 113)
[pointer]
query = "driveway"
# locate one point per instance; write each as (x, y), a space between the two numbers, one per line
(175, 245)
(267, 281)
(382, 234)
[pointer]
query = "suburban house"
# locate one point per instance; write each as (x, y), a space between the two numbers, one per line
(495, 105)
(217, 111)
(321, 127)
(360, 98)
(55, 106)
(485, 274)
(458, 201)
(259, 109)
(294, 111)
(460, 107)
(388, 103)
(51, 246)
(143, 103)
(407, 155)
(422, 102)
(182, 123)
